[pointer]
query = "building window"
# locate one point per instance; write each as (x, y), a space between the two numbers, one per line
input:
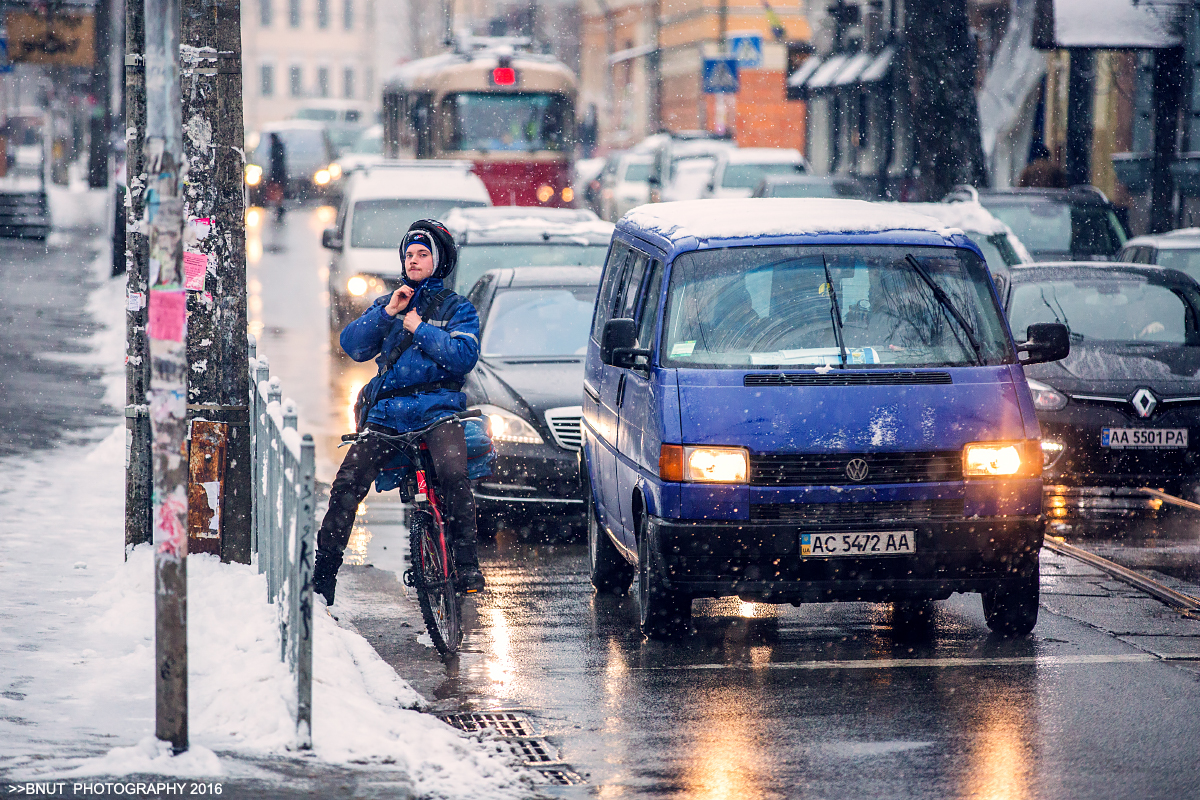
(296, 79)
(348, 83)
(322, 13)
(294, 13)
(322, 81)
(266, 83)
(348, 15)
(264, 13)
(368, 83)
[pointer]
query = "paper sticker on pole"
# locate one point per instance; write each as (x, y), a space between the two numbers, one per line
(720, 76)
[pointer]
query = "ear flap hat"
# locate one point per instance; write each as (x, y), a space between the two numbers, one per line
(433, 235)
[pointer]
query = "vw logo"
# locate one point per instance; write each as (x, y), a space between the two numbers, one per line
(857, 469)
(1144, 402)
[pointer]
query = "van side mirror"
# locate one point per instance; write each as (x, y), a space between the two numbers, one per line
(1047, 341)
(617, 345)
(330, 239)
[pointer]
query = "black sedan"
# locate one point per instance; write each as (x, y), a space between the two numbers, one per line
(529, 384)
(1122, 411)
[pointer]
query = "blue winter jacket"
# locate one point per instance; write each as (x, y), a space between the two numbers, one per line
(440, 351)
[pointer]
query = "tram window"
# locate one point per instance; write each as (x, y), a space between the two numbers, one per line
(486, 121)
(420, 123)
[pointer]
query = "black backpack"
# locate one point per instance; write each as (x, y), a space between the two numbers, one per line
(440, 307)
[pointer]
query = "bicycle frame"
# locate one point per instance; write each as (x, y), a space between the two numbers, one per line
(423, 494)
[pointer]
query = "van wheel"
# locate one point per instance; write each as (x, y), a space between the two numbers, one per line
(663, 613)
(611, 573)
(1011, 608)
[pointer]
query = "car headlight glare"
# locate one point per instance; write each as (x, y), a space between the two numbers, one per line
(357, 286)
(991, 460)
(505, 426)
(1052, 450)
(568, 194)
(1047, 398)
(321, 177)
(703, 464)
(253, 174)
(335, 170)
(544, 193)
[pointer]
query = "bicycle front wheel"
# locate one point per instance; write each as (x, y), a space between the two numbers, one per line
(440, 605)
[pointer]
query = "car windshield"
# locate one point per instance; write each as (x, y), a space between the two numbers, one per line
(476, 259)
(544, 321)
(524, 122)
(771, 306)
(1125, 308)
(301, 147)
(1186, 261)
(370, 143)
(637, 173)
(747, 176)
(1049, 227)
(815, 189)
(383, 223)
(997, 250)
(318, 114)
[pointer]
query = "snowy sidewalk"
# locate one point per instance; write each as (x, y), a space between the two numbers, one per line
(77, 654)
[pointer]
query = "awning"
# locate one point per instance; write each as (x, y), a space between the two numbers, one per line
(823, 78)
(840, 72)
(800, 77)
(878, 69)
(852, 72)
(1107, 24)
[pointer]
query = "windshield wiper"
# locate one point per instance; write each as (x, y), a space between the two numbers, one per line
(940, 295)
(835, 311)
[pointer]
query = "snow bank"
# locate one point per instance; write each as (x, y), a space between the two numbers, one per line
(753, 217)
(77, 646)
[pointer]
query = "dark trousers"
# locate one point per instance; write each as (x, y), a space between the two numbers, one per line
(448, 449)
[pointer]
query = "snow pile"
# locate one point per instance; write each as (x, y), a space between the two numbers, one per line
(77, 645)
(762, 217)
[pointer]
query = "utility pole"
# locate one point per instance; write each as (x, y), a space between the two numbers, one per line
(168, 368)
(138, 472)
(215, 251)
(100, 124)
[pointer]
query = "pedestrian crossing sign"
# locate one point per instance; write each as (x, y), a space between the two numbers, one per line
(747, 49)
(721, 76)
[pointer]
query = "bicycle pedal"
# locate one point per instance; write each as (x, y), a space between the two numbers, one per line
(409, 578)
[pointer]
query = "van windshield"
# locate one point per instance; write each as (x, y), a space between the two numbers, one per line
(383, 223)
(771, 307)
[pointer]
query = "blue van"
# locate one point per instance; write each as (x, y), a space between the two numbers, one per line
(807, 401)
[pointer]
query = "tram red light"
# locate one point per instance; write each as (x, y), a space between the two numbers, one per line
(504, 76)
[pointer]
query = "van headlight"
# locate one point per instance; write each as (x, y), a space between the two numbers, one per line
(703, 464)
(253, 174)
(505, 426)
(1047, 398)
(1002, 459)
(357, 286)
(321, 177)
(335, 170)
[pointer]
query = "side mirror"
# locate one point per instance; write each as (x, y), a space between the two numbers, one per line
(330, 239)
(617, 345)
(1047, 341)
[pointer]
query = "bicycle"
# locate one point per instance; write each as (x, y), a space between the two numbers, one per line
(432, 573)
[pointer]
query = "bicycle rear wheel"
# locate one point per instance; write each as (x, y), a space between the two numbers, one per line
(440, 605)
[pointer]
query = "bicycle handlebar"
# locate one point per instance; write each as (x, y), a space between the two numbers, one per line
(468, 414)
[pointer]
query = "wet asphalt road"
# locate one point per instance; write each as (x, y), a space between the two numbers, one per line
(759, 701)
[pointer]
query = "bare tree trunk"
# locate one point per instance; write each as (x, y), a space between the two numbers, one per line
(941, 57)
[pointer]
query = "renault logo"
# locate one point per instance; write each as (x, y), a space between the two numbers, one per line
(1144, 402)
(857, 469)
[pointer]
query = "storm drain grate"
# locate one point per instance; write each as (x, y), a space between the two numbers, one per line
(505, 723)
(563, 777)
(535, 751)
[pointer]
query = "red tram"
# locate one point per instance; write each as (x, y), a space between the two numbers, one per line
(510, 112)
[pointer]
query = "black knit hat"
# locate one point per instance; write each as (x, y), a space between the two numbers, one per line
(431, 232)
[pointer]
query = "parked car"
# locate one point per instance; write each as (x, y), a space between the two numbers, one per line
(1122, 411)
(344, 119)
(308, 152)
(668, 151)
(586, 182)
(1175, 250)
(786, 185)
(1077, 224)
(777, 405)
(379, 205)
(366, 151)
(739, 170)
(534, 331)
(1001, 249)
(689, 179)
(524, 236)
(626, 185)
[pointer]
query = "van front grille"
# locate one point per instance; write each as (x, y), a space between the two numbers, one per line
(836, 377)
(835, 469)
(838, 513)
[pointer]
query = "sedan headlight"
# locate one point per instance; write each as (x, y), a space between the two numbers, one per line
(335, 170)
(1047, 398)
(357, 286)
(505, 426)
(321, 177)
(703, 464)
(1002, 459)
(253, 174)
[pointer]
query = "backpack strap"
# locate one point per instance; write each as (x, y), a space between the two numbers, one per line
(436, 308)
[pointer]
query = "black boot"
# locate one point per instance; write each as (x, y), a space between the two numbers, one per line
(325, 574)
(470, 578)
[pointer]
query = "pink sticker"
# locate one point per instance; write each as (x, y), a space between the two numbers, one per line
(195, 265)
(168, 315)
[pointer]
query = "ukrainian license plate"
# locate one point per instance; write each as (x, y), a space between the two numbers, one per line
(875, 543)
(1151, 438)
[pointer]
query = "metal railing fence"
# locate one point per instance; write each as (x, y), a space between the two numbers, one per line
(285, 529)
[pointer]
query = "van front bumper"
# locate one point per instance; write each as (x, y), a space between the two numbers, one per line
(760, 561)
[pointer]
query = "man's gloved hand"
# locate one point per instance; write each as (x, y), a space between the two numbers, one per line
(399, 302)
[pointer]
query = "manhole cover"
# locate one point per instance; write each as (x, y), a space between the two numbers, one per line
(506, 723)
(563, 777)
(535, 751)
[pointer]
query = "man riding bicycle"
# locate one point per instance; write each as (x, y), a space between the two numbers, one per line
(425, 340)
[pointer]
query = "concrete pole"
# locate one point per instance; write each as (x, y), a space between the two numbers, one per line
(215, 210)
(138, 471)
(168, 368)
